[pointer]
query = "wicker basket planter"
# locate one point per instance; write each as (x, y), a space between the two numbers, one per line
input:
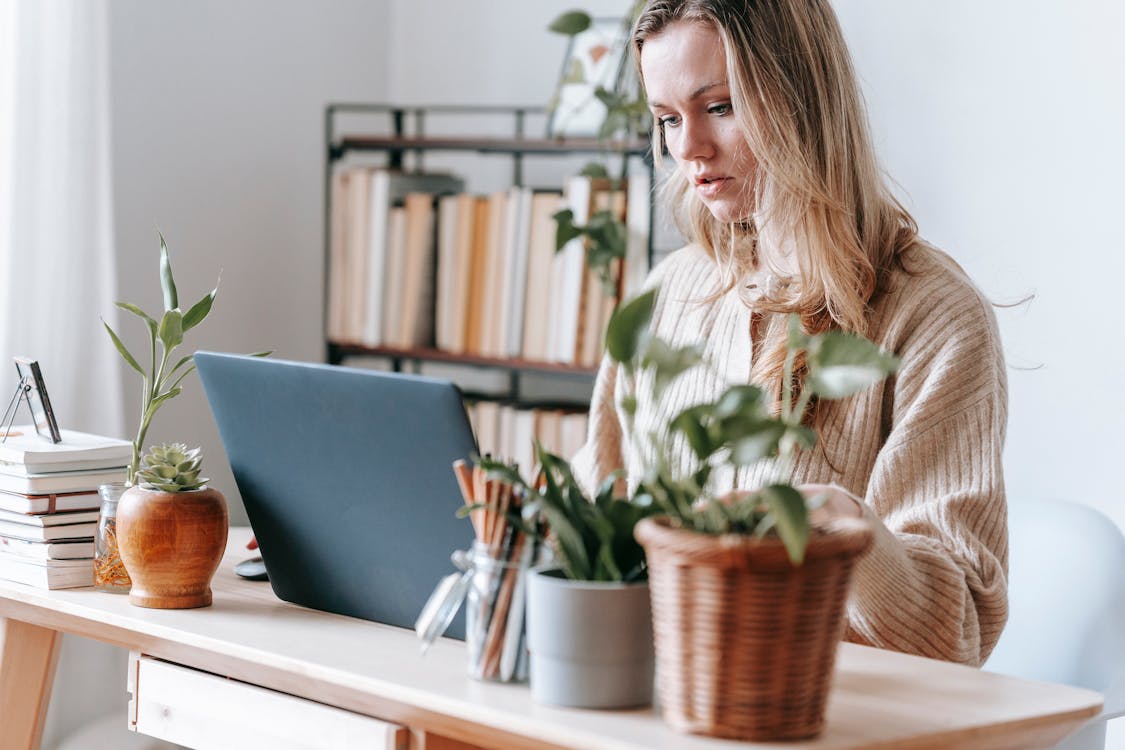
(745, 641)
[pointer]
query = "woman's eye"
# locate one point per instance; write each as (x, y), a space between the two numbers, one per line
(669, 121)
(720, 109)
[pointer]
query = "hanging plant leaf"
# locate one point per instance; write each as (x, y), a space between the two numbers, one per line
(628, 327)
(571, 23)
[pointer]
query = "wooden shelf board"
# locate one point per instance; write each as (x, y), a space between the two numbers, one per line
(438, 355)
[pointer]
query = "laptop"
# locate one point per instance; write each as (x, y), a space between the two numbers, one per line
(347, 480)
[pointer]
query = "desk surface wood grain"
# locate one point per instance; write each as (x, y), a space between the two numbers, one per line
(880, 699)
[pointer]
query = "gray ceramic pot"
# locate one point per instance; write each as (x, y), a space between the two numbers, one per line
(590, 642)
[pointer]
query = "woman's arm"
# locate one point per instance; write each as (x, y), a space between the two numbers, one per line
(935, 581)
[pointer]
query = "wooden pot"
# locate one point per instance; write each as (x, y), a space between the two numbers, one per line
(171, 544)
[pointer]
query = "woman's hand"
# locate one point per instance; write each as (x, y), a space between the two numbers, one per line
(838, 503)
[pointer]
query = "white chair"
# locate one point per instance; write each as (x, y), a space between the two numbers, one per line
(1066, 593)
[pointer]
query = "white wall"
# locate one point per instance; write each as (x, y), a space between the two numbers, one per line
(1003, 121)
(218, 113)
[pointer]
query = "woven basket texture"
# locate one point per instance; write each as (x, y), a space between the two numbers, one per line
(745, 641)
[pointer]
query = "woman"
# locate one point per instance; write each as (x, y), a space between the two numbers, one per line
(778, 188)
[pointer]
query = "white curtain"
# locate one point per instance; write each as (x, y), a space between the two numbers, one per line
(57, 272)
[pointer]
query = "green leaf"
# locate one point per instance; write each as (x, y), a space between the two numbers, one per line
(742, 400)
(757, 445)
(122, 350)
(171, 329)
(797, 338)
(156, 402)
(575, 73)
(566, 229)
(612, 100)
(689, 422)
(167, 283)
(802, 436)
(668, 362)
(500, 470)
(595, 170)
(841, 364)
(628, 326)
(139, 313)
(788, 508)
(571, 23)
(200, 310)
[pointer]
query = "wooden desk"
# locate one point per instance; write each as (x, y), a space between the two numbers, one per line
(881, 699)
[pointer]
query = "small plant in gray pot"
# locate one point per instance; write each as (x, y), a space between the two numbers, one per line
(589, 621)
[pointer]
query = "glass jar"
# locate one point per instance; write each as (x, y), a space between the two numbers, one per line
(492, 585)
(109, 571)
(495, 622)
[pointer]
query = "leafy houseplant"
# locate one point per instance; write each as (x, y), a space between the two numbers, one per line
(589, 624)
(626, 120)
(739, 578)
(592, 540)
(171, 528)
(161, 382)
(736, 429)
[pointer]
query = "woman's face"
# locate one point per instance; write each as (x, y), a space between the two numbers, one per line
(685, 74)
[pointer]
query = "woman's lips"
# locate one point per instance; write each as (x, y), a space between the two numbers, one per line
(709, 187)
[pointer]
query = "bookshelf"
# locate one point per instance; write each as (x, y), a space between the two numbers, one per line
(401, 138)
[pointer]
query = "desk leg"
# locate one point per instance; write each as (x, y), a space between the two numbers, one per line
(28, 656)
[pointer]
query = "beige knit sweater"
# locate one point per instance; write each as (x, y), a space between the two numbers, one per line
(922, 449)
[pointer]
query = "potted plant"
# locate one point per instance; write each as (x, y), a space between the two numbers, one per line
(166, 520)
(172, 530)
(589, 624)
(626, 121)
(747, 594)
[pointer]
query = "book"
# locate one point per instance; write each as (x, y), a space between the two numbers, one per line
(49, 519)
(478, 265)
(388, 189)
(395, 264)
(23, 447)
(20, 470)
(355, 260)
(568, 274)
(445, 277)
(47, 574)
(62, 481)
(638, 217)
(515, 297)
(541, 254)
(30, 533)
(417, 324)
(65, 550)
(18, 502)
(337, 278)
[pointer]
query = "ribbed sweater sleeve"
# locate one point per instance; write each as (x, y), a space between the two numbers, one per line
(922, 450)
(935, 582)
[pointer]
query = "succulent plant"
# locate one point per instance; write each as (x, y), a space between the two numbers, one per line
(171, 467)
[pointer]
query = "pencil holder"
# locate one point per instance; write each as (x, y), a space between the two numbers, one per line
(495, 622)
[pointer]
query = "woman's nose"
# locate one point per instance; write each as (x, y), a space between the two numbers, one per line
(695, 141)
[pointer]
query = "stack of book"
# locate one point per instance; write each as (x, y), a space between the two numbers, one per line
(49, 504)
(416, 263)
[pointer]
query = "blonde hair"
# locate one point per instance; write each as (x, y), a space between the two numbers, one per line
(818, 187)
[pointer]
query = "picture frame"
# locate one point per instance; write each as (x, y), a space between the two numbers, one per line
(35, 392)
(594, 58)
